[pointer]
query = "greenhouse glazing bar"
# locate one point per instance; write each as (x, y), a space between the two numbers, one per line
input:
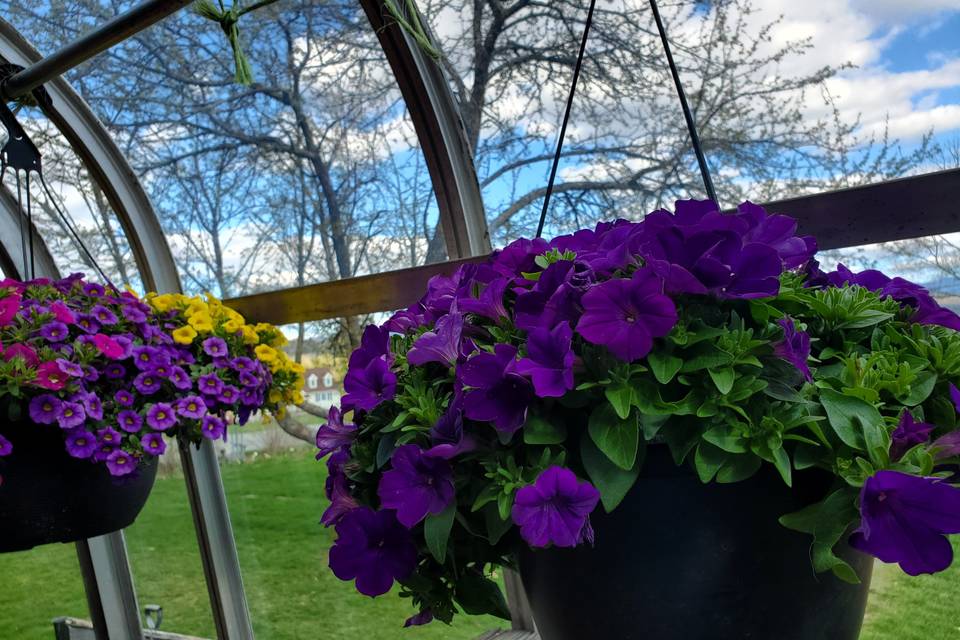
(88, 45)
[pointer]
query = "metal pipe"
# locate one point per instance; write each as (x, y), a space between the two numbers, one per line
(85, 47)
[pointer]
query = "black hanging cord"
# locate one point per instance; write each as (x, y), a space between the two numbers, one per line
(566, 119)
(687, 114)
(72, 230)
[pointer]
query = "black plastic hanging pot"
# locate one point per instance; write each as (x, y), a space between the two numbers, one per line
(47, 496)
(683, 560)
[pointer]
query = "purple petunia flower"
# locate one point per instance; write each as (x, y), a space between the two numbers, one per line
(81, 444)
(161, 416)
(416, 485)
(153, 444)
(215, 347)
(55, 331)
(368, 386)
(191, 407)
(229, 394)
(147, 383)
(904, 519)
(130, 421)
(795, 347)
(71, 415)
(498, 394)
(123, 398)
(549, 361)
(213, 427)
(108, 436)
(88, 323)
(104, 316)
(121, 463)
(555, 509)
(180, 378)
(6, 448)
(373, 549)
(210, 384)
(72, 369)
(908, 434)
(440, 345)
(45, 409)
(334, 434)
(91, 405)
(626, 315)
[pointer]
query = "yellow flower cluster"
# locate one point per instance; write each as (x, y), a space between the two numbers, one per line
(202, 317)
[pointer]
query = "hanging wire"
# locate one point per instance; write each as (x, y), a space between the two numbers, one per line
(72, 229)
(566, 119)
(687, 114)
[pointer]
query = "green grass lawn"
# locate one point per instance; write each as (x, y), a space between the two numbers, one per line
(275, 503)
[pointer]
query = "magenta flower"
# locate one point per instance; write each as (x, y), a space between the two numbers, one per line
(45, 409)
(549, 361)
(373, 549)
(795, 347)
(626, 315)
(121, 463)
(108, 346)
(191, 407)
(71, 415)
(49, 376)
(442, 344)
(212, 427)
(81, 444)
(9, 306)
(62, 313)
(129, 421)
(334, 434)
(369, 386)
(153, 444)
(161, 416)
(907, 434)
(497, 392)
(905, 519)
(416, 485)
(556, 509)
(5, 447)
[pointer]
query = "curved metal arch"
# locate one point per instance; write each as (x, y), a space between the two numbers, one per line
(107, 166)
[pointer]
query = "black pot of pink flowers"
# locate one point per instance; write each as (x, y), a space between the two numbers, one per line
(46, 495)
(684, 560)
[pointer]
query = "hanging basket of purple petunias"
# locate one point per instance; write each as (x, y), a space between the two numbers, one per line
(92, 379)
(510, 412)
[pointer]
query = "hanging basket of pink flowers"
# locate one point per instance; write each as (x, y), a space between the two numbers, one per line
(94, 381)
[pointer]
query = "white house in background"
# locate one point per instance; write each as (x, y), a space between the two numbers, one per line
(321, 387)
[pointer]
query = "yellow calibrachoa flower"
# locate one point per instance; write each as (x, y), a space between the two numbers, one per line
(184, 335)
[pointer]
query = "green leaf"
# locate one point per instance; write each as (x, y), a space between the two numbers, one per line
(611, 481)
(921, 389)
(723, 379)
(827, 521)
(436, 530)
(723, 437)
(539, 430)
(738, 468)
(620, 397)
(708, 460)
(664, 366)
(478, 595)
(617, 438)
(851, 418)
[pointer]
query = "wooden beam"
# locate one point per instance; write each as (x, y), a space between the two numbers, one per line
(340, 298)
(895, 210)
